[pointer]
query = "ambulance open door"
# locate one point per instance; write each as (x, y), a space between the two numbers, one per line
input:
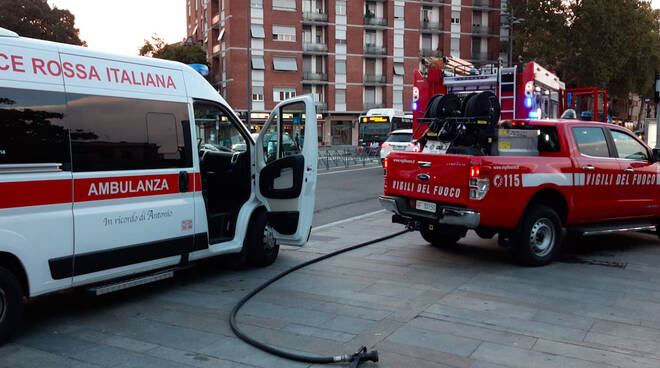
(286, 163)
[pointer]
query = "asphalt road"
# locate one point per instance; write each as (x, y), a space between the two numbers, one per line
(341, 194)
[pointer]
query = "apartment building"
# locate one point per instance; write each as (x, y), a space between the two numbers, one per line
(352, 55)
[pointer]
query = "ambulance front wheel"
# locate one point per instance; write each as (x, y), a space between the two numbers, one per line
(260, 243)
(11, 304)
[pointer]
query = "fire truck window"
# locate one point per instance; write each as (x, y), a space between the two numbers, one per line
(114, 133)
(548, 140)
(32, 128)
(627, 147)
(591, 142)
(215, 130)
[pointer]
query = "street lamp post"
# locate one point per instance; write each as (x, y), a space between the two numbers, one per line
(512, 20)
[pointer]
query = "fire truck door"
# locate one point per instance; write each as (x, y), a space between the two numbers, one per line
(596, 197)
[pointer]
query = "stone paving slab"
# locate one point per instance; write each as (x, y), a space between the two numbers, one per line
(418, 305)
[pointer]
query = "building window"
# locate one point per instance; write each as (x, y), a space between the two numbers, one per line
(284, 5)
(426, 14)
(398, 68)
(257, 93)
(398, 11)
(370, 95)
(257, 31)
(258, 62)
(340, 97)
(257, 3)
(340, 67)
(456, 17)
(455, 47)
(287, 64)
(341, 7)
(283, 93)
(340, 33)
(284, 33)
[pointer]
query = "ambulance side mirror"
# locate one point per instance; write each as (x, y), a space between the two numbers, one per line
(655, 157)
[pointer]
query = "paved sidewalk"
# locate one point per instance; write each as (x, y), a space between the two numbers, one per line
(417, 305)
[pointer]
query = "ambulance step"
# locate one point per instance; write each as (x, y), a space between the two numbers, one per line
(615, 228)
(129, 283)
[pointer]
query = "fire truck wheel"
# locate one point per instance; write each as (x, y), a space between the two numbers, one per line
(437, 238)
(539, 236)
(11, 304)
(260, 243)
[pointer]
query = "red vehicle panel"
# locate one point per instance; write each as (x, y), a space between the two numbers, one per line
(601, 175)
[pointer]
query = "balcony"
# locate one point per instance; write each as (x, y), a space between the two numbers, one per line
(429, 52)
(314, 48)
(434, 2)
(482, 4)
(373, 105)
(312, 77)
(371, 20)
(321, 107)
(431, 27)
(314, 17)
(485, 31)
(479, 56)
(375, 50)
(372, 79)
(215, 21)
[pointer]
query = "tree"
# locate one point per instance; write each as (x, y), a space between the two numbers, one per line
(611, 44)
(187, 54)
(36, 19)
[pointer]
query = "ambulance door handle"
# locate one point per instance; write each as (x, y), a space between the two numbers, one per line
(629, 170)
(184, 182)
(589, 168)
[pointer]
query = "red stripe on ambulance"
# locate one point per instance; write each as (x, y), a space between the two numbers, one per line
(32, 193)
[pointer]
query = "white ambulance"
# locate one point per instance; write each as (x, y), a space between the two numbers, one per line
(125, 168)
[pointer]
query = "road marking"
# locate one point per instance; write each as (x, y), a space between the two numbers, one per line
(347, 220)
(343, 171)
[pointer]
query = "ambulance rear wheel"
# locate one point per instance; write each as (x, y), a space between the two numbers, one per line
(261, 246)
(538, 239)
(432, 234)
(11, 304)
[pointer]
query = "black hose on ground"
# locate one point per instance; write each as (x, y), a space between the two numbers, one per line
(361, 355)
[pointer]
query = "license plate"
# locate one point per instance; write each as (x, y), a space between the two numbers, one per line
(425, 206)
(436, 147)
(397, 148)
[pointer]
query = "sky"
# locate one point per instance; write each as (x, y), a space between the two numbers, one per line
(121, 26)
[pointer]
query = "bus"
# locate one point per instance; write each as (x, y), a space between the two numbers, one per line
(377, 124)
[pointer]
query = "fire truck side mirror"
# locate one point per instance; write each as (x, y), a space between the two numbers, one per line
(655, 157)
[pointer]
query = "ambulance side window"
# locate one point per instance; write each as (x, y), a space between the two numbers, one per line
(114, 133)
(32, 127)
(216, 130)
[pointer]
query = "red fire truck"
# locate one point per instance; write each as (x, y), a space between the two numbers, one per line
(532, 93)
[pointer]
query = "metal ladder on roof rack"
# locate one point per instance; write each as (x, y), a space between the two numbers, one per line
(509, 80)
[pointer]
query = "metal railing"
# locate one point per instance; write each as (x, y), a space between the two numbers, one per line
(482, 3)
(372, 49)
(375, 21)
(346, 157)
(315, 16)
(310, 76)
(429, 52)
(374, 78)
(316, 47)
(431, 26)
(373, 105)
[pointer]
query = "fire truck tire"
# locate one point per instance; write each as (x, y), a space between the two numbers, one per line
(11, 304)
(437, 238)
(260, 245)
(538, 238)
